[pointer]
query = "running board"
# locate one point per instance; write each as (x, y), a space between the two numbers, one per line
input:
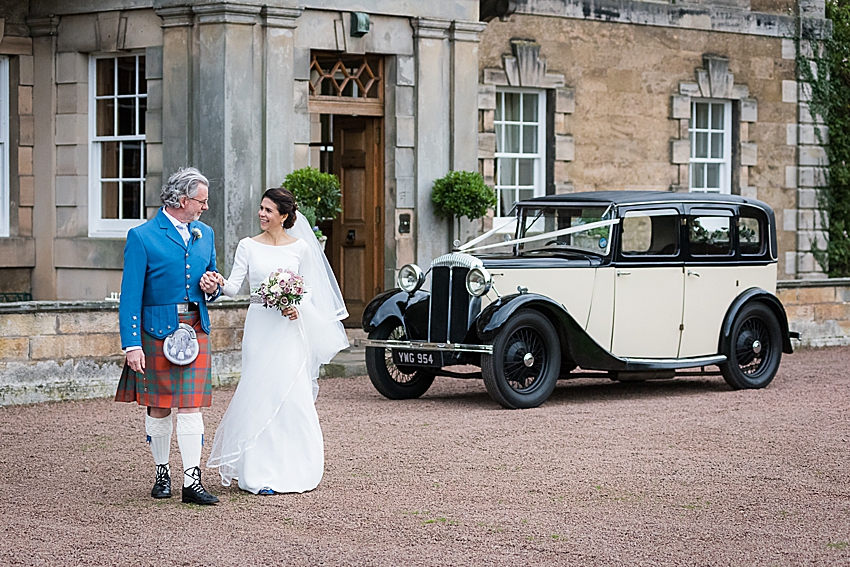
(643, 364)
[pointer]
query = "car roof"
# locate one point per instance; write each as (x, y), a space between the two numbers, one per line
(641, 197)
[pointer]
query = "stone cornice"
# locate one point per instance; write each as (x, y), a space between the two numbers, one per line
(48, 25)
(467, 31)
(227, 13)
(281, 17)
(679, 15)
(179, 16)
(430, 28)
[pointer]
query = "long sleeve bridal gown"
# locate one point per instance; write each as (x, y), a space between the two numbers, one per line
(270, 434)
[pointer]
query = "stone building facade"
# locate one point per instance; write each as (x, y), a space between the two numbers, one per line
(674, 96)
(108, 97)
(100, 100)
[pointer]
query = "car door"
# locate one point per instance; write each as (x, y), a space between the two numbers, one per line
(712, 279)
(648, 287)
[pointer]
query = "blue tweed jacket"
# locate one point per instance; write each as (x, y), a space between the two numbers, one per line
(160, 272)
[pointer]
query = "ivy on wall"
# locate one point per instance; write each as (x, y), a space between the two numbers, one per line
(830, 82)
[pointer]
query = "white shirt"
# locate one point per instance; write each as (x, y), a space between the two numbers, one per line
(182, 227)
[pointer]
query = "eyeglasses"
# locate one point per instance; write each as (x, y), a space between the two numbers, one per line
(205, 202)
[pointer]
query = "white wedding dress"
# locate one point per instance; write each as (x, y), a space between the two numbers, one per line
(270, 434)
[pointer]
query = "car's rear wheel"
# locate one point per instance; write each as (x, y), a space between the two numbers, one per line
(396, 383)
(754, 348)
(523, 369)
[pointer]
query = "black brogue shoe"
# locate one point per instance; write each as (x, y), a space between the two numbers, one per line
(196, 493)
(162, 486)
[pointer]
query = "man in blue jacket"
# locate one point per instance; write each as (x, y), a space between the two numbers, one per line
(169, 275)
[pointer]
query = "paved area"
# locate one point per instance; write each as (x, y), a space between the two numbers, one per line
(682, 472)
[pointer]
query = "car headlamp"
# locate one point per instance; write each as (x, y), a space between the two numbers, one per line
(478, 281)
(410, 278)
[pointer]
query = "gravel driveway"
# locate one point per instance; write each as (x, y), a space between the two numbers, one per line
(682, 472)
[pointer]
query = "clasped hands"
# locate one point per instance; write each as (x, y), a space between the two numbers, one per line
(210, 282)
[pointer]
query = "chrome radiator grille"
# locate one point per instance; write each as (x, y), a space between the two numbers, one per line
(449, 316)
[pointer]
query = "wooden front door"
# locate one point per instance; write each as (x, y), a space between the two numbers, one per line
(357, 244)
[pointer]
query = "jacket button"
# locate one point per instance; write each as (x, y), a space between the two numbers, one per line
(187, 286)
(134, 325)
(187, 254)
(134, 317)
(169, 326)
(188, 266)
(151, 329)
(134, 333)
(160, 331)
(186, 298)
(188, 276)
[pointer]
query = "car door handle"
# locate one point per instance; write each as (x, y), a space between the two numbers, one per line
(623, 273)
(693, 273)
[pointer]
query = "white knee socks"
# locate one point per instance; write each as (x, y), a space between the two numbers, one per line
(190, 438)
(159, 430)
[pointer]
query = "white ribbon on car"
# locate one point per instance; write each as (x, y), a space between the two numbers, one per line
(542, 236)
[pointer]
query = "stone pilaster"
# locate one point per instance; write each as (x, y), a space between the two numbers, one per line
(464, 37)
(280, 86)
(43, 32)
(809, 175)
(229, 116)
(178, 45)
(433, 131)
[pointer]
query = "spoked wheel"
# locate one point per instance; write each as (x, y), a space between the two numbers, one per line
(754, 348)
(394, 382)
(526, 360)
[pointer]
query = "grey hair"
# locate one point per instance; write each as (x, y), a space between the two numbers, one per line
(182, 183)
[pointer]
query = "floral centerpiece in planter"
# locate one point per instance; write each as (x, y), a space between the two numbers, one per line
(462, 194)
(317, 194)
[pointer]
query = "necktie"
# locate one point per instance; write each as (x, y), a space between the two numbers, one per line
(184, 232)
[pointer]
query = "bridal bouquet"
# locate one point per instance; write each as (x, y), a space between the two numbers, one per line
(281, 289)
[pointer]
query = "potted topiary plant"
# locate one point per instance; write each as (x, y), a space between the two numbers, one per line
(318, 196)
(462, 194)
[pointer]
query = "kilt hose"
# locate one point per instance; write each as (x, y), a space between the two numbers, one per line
(167, 385)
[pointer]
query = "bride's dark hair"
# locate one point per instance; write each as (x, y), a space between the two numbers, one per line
(285, 202)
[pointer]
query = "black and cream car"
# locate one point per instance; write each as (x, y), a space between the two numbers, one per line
(622, 285)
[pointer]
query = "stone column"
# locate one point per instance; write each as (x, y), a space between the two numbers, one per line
(43, 32)
(433, 132)
(464, 37)
(177, 93)
(229, 111)
(279, 24)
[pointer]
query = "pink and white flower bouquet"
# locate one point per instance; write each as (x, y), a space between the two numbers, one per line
(282, 289)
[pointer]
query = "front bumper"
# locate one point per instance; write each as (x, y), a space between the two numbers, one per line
(419, 345)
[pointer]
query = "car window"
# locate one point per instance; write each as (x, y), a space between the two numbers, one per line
(650, 232)
(552, 219)
(709, 235)
(750, 235)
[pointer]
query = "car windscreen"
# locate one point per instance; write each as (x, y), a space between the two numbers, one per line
(595, 240)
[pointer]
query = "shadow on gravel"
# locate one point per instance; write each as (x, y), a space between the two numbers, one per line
(581, 391)
(585, 391)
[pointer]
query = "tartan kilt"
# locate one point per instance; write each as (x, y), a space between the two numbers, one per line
(167, 385)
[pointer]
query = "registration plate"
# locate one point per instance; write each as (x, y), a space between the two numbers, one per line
(417, 358)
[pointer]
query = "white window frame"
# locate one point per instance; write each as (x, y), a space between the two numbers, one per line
(5, 197)
(98, 226)
(726, 160)
(539, 157)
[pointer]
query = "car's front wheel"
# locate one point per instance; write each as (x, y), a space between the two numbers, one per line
(754, 348)
(523, 369)
(393, 382)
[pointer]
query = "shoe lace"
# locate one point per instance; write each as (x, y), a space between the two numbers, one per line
(163, 475)
(195, 474)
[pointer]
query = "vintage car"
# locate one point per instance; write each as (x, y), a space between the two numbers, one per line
(625, 285)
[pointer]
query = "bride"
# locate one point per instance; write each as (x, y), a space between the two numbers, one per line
(269, 439)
